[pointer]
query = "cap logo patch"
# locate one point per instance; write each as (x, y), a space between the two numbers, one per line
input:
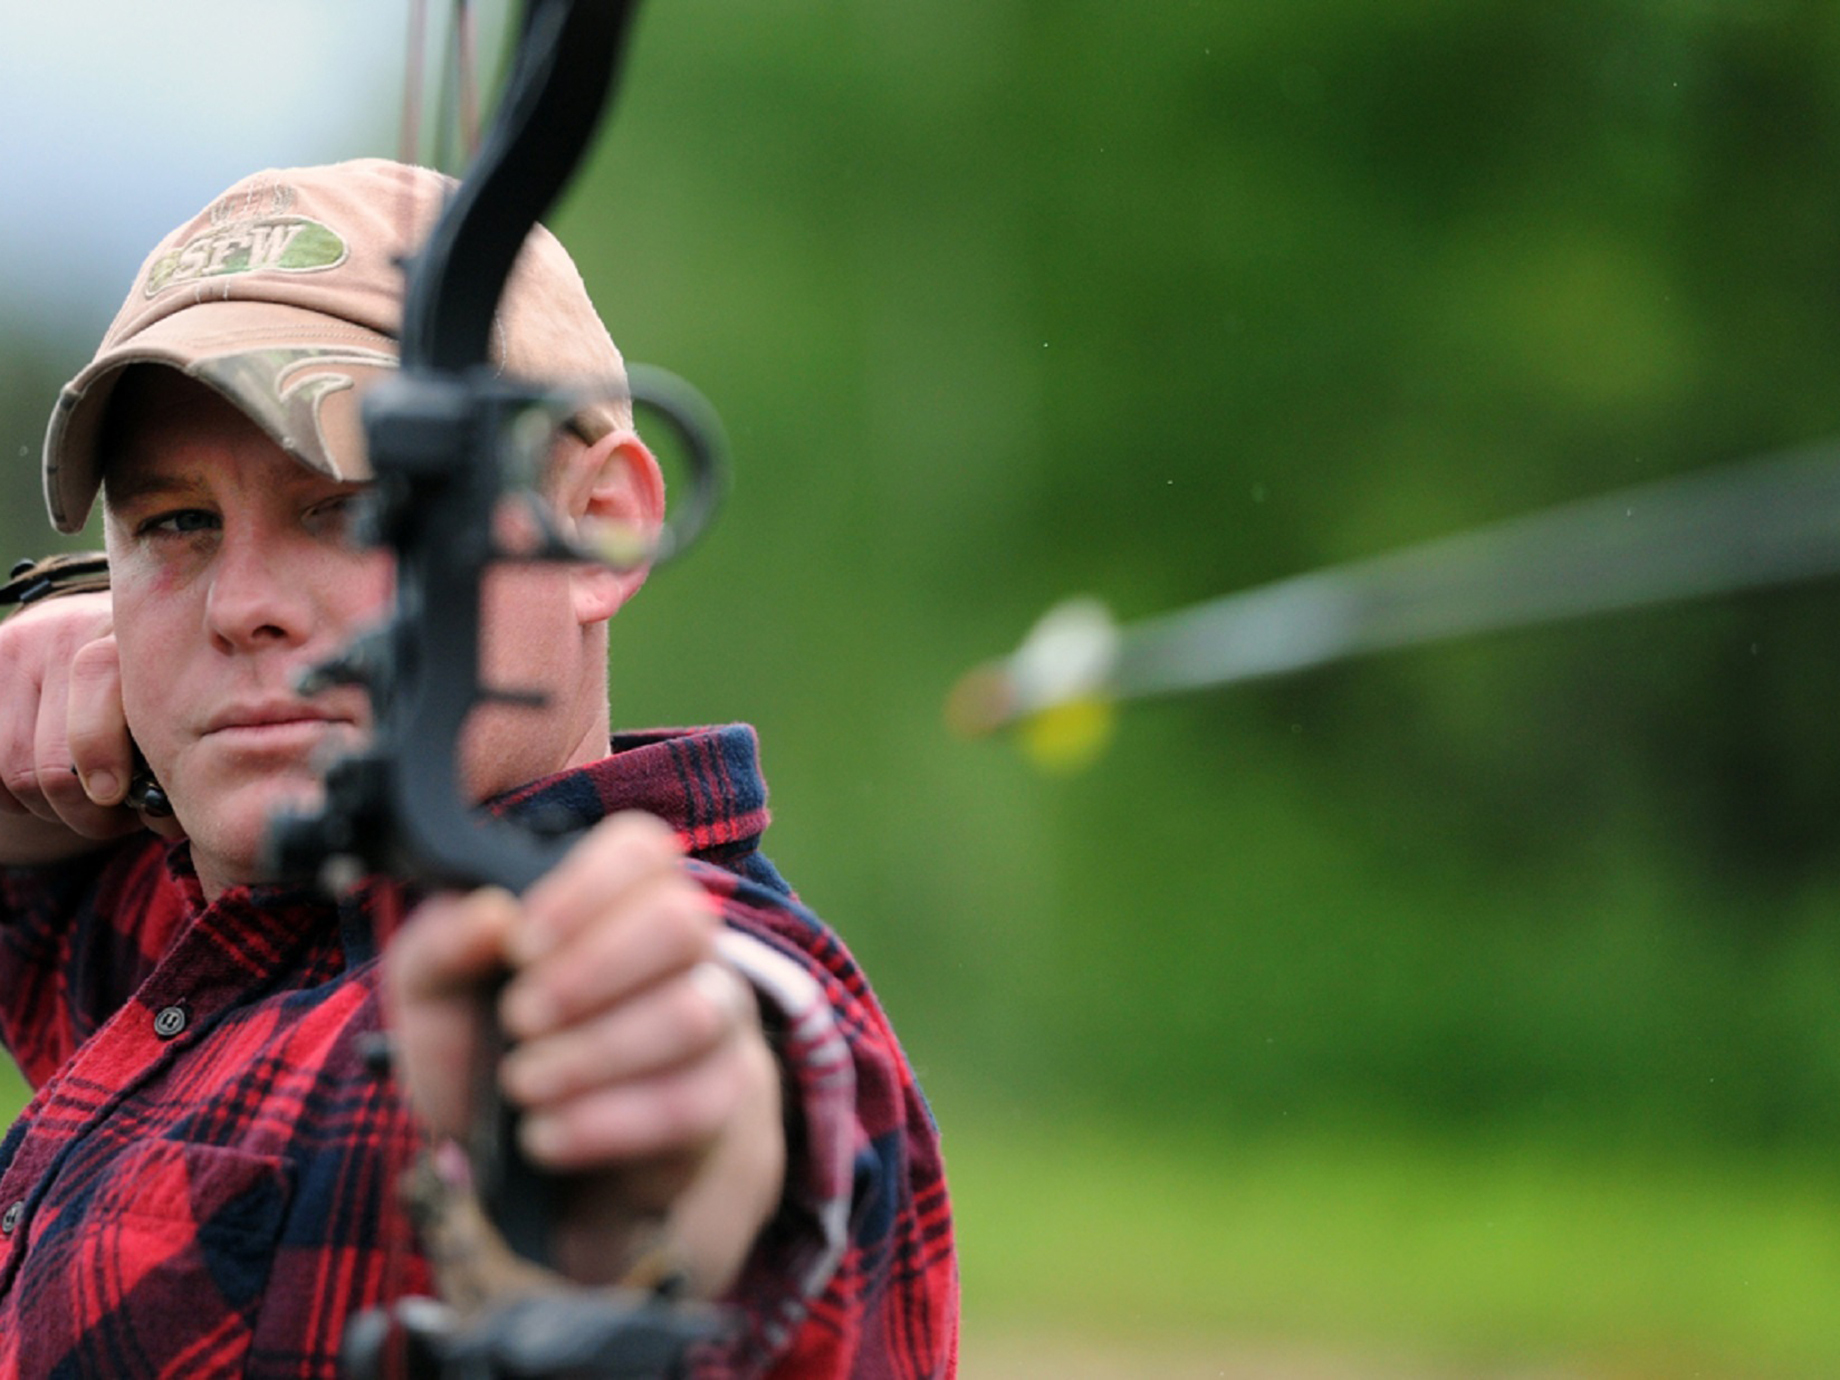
(272, 244)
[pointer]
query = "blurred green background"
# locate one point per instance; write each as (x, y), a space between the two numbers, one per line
(1464, 1011)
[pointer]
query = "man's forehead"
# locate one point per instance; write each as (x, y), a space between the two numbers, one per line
(167, 434)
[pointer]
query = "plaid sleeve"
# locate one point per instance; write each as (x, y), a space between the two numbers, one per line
(76, 939)
(856, 1275)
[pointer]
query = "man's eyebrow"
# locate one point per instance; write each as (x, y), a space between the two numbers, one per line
(134, 484)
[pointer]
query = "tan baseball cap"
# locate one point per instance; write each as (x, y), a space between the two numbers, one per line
(285, 295)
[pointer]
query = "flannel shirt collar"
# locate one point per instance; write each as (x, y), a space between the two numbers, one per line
(704, 782)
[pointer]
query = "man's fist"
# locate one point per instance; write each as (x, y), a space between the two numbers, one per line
(638, 1061)
(65, 754)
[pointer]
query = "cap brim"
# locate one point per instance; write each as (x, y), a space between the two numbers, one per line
(297, 374)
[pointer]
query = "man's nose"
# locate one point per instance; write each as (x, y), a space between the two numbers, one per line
(260, 593)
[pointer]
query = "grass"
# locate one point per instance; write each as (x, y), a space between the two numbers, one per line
(1467, 1256)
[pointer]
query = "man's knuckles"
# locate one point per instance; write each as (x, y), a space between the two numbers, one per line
(621, 851)
(637, 938)
(661, 1028)
(35, 786)
(682, 1111)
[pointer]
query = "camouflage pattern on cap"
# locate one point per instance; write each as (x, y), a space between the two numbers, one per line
(285, 295)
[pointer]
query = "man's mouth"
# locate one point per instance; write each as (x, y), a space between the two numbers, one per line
(272, 719)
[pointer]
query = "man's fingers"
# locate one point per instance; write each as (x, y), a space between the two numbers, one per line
(63, 738)
(666, 1026)
(62, 793)
(451, 945)
(665, 925)
(618, 853)
(37, 649)
(100, 748)
(628, 1026)
(679, 1112)
(434, 971)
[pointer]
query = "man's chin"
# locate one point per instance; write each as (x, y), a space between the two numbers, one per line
(229, 832)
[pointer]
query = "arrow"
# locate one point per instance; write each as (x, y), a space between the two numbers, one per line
(1744, 526)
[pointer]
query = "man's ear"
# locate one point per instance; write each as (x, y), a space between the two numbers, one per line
(613, 485)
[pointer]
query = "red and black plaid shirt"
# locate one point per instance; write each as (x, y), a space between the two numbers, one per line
(204, 1181)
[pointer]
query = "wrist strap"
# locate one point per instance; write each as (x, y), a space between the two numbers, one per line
(73, 572)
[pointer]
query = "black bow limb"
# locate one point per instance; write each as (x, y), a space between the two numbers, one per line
(447, 438)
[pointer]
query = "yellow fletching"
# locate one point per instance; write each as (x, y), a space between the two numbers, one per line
(1069, 736)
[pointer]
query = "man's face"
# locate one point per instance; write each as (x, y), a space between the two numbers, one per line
(231, 576)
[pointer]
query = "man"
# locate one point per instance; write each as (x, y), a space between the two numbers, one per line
(206, 1181)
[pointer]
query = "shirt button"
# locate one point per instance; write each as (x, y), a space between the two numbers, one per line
(9, 1223)
(169, 1022)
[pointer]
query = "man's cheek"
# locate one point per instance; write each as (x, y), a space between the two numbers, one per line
(148, 718)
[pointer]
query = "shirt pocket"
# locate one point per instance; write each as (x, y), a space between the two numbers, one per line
(164, 1270)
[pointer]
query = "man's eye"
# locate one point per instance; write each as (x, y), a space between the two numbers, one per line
(182, 521)
(332, 516)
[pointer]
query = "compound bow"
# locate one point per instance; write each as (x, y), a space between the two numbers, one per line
(447, 440)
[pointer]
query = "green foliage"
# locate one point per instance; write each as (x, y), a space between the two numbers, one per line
(1003, 302)
(29, 379)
